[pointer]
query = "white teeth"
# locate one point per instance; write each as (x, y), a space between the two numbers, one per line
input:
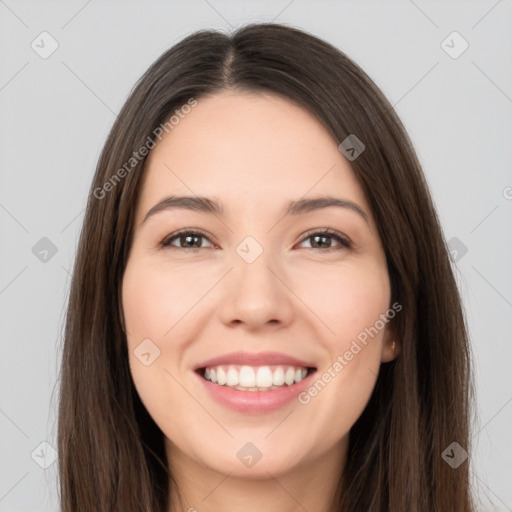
(278, 378)
(221, 376)
(289, 377)
(232, 377)
(264, 377)
(248, 378)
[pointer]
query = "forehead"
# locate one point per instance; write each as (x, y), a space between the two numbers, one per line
(251, 150)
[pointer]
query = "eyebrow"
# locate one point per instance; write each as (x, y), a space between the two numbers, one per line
(213, 206)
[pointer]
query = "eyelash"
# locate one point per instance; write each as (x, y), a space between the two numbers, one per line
(344, 242)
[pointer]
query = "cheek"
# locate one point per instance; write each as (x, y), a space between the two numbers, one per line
(156, 298)
(149, 299)
(348, 300)
(352, 305)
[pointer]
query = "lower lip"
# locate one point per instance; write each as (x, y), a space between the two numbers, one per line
(256, 401)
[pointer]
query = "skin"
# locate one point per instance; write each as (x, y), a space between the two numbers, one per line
(255, 153)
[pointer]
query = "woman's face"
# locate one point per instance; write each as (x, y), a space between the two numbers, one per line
(256, 293)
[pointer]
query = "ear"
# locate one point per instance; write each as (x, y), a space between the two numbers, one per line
(390, 345)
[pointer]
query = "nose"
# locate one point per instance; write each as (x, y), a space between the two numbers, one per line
(256, 294)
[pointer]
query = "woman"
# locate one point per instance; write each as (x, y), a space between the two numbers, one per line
(263, 312)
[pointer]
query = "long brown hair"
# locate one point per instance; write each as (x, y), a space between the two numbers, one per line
(111, 453)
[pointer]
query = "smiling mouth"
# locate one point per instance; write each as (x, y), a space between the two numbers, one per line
(255, 378)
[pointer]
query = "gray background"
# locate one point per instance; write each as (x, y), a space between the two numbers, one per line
(56, 113)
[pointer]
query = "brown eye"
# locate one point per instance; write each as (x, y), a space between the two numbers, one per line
(186, 240)
(322, 240)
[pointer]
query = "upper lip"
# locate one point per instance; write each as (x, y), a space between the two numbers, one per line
(254, 359)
